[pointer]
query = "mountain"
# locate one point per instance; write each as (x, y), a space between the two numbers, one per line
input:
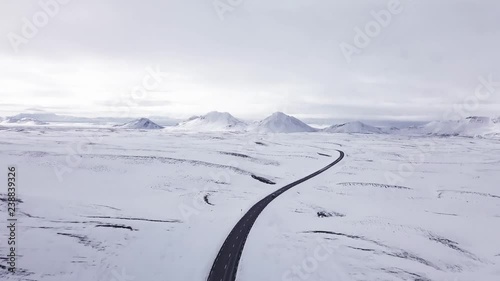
(142, 124)
(354, 127)
(44, 116)
(471, 126)
(24, 121)
(279, 122)
(213, 121)
(165, 121)
(48, 117)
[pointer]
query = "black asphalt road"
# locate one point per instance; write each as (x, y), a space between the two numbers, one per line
(226, 262)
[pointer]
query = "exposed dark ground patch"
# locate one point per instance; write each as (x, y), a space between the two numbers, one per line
(362, 249)
(395, 154)
(260, 143)
(399, 272)
(133, 219)
(452, 245)
(109, 207)
(20, 273)
(262, 179)
(82, 239)
(176, 161)
(5, 198)
(409, 256)
(218, 182)
(250, 158)
(235, 154)
(443, 214)
(395, 252)
(75, 222)
(325, 214)
(117, 226)
(441, 192)
(373, 184)
(30, 216)
(206, 199)
(42, 227)
(335, 233)
(322, 154)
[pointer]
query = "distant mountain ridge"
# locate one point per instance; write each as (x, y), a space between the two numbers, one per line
(44, 116)
(278, 122)
(24, 121)
(470, 127)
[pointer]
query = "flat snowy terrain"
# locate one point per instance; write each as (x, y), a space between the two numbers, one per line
(123, 205)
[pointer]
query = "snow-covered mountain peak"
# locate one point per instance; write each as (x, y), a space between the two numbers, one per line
(214, 121)
(279, 122)
(216, 116)
(353, 127)
(471, 126)
(142, 123)
(279, 114)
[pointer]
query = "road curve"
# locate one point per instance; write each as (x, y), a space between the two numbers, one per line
(226, 263)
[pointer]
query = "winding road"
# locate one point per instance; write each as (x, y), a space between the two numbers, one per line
(226, 263)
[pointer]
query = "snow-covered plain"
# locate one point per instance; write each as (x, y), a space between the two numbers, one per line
(113, 204)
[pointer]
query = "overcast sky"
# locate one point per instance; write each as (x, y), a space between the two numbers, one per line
(251, 59)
